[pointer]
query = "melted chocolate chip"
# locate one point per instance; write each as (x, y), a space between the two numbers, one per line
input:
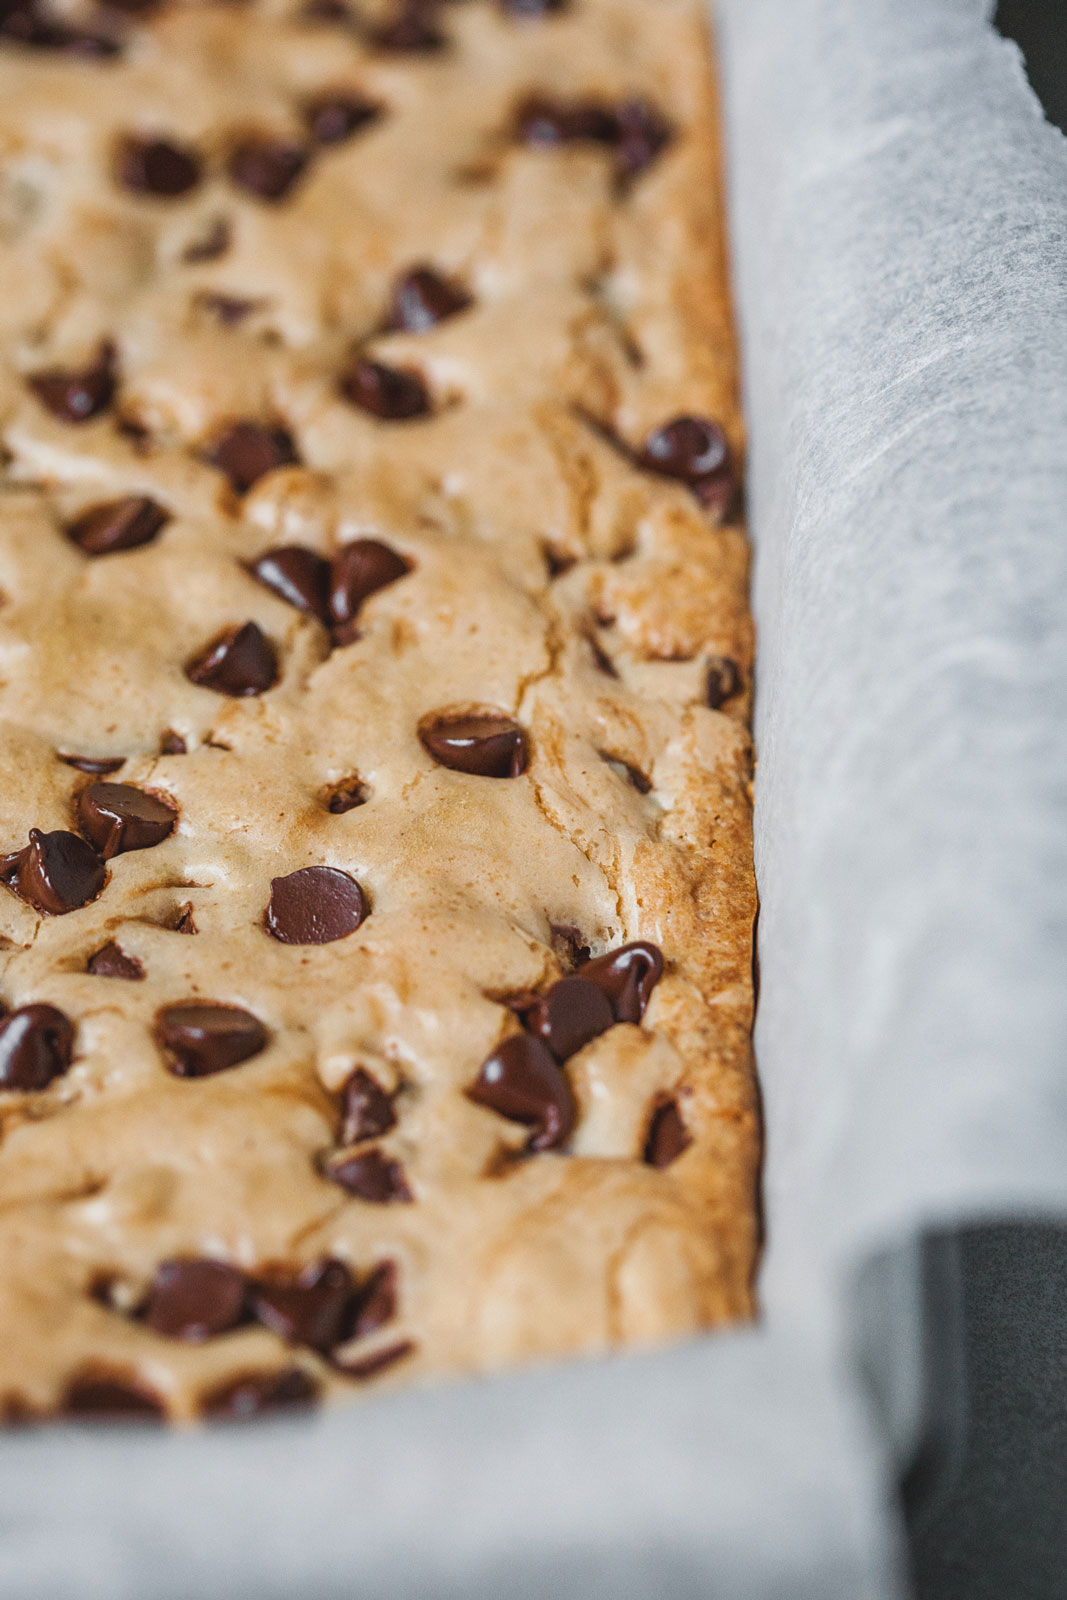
(267, 168)
(723, 681)
(212, 243)
(116, 817)
(299, 576)
(56, 872)
(627, 976)
(345, 796)
(643, 133)
(364, 1367)
(227, 308)
(413, 30)
(117, 525)
(695, 452)
(111, 961)
(422, 298)
(26, 23)
(366, 1110)
(98, 1399)
(77, 395)
(312, 1309)
(522, 1081)
(247, 451)
(195, 1299)
(258, 1393)
(97, 765)
(156, 167)
(390, 393)
(239, 662)
(486, 746)
(542, 121)
(36, 1045)
(569, 1015)
(204, 1038)
(532, 8)
(333, 118)
(371, 1176)
(359, 570)
(375, 1302)
(316, 905)
(668, 1136)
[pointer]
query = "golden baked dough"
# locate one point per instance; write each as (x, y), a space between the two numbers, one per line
(218, 225)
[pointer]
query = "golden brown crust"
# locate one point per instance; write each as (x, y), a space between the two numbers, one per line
(552, 579)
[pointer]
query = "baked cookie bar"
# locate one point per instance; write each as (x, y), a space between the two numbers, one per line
(376, 891)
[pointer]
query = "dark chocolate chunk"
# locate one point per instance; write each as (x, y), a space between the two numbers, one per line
(486, 746)
(366, 1110)
(393, 394)
(194, 1298)
(359, 570)
(299, 576)
(156, 167)
(247, 451)
(371, 1176)
(668, 1135)
(422, 298)
(532, 8)
(117, 525)
(363, 1367)
(56, 872)
(627, 976)
(412, 30)
(332, 118)
(202, 1038)
(316, 905)
(93, 1398)
(569, 1015)
(522, 1081)
(25, 22)
(375, 1302)
(267, 168)
(36, 1045)
(643, 133)
(239, 662)
(117, 817)
(97, 765)
(77, 395)
(229, 309)
(542, 121)
(723, 681)
(212, 243)
(695, 452)
(311, 1309)
(345, 796)
(112, 961)
(256, 1394)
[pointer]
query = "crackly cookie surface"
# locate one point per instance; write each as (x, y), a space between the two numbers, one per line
(374, 657)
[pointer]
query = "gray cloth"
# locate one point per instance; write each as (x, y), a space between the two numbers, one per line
(900, 223)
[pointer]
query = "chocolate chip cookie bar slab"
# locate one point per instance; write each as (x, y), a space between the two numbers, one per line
(376, 891)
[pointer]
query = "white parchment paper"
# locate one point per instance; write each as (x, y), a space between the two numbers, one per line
(900, 225)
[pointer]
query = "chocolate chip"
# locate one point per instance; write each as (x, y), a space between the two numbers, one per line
(695, 452)
(365, 1367)
(239, 662)
(28, 25)
(371, 1176)
(98, 765)
(542, 121)
(723, 681)
(390, 393)
(333, 118)
(312, 1309)
(111, 961)
(569, 1015)
(202, 1038)
(522, 1081)
(257, 1393)
(56, 872)
(366, 1110)
(116, 818)
(117, 525)
(643, 134)
(359, 570)
(172, 744)
(77, 395)
(316, 905)
(194, 1298)
(212, 243)
(569, 944)
(345, 796)
(99, 1399)
(484, 745)
(412, 30)
(36, 1045)
(247, 451)
(299, 576)
(156, 167)
(267, 168)
(375, 1302)
(532, 8)
(627, 976)
(668, 1136)
(227, 308)
(422, 298)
